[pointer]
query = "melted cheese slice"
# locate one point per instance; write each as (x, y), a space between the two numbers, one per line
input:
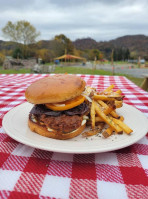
(67, 104)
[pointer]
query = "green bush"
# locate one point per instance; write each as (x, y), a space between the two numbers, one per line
(17, 53)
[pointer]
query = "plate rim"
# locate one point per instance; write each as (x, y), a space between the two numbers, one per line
(62, 150)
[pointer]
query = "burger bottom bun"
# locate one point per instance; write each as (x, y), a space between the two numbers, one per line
(41, 130)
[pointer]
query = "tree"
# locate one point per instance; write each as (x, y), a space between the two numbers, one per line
(46, 55)
(68, 45)
(2, 58)
(57, 47)
(94, 53)
(78, 53)
(115, 55)
(134, 55)
(17, 53)
(101, 56)
(10, 31)
(85, 54)
(127, 54)
(120, 54)
(21, 31)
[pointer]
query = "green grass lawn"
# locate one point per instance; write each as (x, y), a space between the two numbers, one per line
(118, 62)
(78, 70)
(12, 71)
(75, 70)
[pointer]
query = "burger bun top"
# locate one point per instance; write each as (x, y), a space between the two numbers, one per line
(55, 89)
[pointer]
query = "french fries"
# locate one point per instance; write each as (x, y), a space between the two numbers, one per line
(109, 109)
(118, 104)
(98, 119)
(118, 91)
(108, 98)
(106, 133)
(121, 118)
(109, 88)
(103, 104)
(125, 128)
(92, 113)
(103, 112)
(95, 131)
(107, 119)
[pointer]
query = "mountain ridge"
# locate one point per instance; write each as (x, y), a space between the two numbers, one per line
(135, 43)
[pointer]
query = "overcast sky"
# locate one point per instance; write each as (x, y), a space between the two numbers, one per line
(99, 19)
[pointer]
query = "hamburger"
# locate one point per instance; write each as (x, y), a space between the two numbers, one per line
(60, 110)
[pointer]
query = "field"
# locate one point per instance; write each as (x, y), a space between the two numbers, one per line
(12, 71)
(75, 70)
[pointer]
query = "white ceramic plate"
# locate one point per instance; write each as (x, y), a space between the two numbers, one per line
(15, 125)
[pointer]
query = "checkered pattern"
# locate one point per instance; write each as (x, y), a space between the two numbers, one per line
(27, 172)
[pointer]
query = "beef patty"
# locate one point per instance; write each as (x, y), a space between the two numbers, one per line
(61, 121)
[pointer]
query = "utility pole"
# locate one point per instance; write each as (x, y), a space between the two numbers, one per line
(65, 54)
(139, 62)
(112, 61)
(95, 59)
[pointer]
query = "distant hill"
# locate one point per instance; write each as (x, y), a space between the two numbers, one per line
(135, 43)
(86, 43)
(7, 45)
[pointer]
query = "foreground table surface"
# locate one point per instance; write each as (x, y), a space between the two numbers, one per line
(27, 172)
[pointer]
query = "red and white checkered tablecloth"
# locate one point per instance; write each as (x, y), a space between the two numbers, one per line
(27, 172)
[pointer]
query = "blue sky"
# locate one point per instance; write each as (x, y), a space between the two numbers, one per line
(99, 19)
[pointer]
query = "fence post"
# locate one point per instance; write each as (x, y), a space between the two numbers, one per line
(112, 62)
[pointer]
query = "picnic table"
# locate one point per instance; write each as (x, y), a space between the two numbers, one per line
(27, 172)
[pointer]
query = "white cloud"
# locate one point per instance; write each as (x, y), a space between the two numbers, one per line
(101, 20)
